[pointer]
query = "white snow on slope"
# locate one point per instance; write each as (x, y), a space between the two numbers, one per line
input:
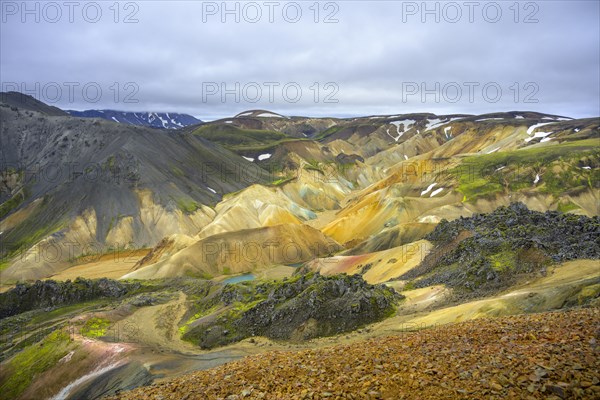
(269, 115)
(534, 127)
(448, 132)
(436, 192)
(212, 190)
(264, 156)
(424, 192)
(539, 135)
(407, 124)
(434, 123)
(249, 158)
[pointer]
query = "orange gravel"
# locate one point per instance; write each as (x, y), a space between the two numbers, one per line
(538, 356)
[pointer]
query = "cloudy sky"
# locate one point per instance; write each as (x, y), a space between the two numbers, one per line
(340, 58)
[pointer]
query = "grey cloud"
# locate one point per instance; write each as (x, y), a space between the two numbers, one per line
(371, 54)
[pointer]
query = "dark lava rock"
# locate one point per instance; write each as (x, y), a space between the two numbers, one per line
(485, 253)
(301, 308)
(50, 294)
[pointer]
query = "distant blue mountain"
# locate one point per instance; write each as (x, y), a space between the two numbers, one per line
(151, 119)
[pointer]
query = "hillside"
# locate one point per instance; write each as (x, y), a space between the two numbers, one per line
(539, 356)
(132, 255)
(101, 185)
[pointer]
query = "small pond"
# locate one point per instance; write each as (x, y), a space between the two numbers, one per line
(239, 278)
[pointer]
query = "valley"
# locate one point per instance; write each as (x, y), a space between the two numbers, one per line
(133, 257)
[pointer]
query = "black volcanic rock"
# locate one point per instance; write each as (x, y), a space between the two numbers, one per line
(42, 294)
(485, 253)
(304, 307)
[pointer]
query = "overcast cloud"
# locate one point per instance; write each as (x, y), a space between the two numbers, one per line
(376, 59)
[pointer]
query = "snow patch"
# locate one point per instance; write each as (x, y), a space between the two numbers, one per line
(534, 127)
(539, 135)
(269, 115)
(558, 118)
(436, 192)
(581, 167)
(434, 123)
(537, 179)
(264, 156)
(428, 189)
(448, 132)
(493, 151)
(407, 124)
(249, 158)
(212, 190)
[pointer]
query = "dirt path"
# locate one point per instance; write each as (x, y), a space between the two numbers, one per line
(157, 327)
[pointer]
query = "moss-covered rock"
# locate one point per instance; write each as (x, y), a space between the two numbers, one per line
(489, 252)
(43, 294)
(303, 307)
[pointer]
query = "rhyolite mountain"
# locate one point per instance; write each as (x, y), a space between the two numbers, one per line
(100, 184)
(264, 231)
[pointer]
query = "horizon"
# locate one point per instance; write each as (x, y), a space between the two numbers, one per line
(339, 116)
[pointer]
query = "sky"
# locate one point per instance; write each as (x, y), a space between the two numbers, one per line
(329, 58)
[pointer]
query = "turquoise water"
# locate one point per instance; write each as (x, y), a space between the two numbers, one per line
(239, 278)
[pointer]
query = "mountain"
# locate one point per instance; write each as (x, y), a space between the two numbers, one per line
(26, 102)
(128, 252)
(151, 119)
(95, 185)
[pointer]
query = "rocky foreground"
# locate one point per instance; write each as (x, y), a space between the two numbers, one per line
(550, 356)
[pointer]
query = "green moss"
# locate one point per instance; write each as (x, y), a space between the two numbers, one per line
(239, 308)
(235, 138)
(34, 360)
(187, 205)
(478, 188)
(198, 275)
(503, 261)
(588, 294)
(12, 203)
(95, 327)
(480, 176)
(44, 316)
(282, 181)
(4, 263)
(566, 206)
(328, 132)
(177, 172)
(15, 248)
